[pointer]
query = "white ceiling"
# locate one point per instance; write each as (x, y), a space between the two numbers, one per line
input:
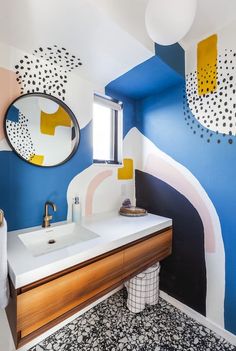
(106, 49)
(211, 16)
(108, 35)
(129, 14)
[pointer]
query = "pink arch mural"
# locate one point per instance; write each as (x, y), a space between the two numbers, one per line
(93, 185)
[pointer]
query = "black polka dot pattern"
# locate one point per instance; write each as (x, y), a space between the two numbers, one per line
(20, 138)
(215, 112)
(59, 56)
(46, 71)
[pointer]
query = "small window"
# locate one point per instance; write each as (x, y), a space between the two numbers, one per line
(107, 130)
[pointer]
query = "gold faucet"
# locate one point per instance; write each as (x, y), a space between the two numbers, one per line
(46, 217)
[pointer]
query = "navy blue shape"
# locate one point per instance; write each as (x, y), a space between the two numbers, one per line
(173, 55)
(160, 116)
(161, 119)
(13, 114)
(183, 274)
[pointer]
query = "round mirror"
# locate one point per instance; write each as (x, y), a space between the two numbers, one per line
(41, 129)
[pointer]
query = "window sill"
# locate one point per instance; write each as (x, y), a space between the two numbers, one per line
(107, 164)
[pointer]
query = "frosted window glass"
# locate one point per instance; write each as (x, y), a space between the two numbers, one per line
(103, 134)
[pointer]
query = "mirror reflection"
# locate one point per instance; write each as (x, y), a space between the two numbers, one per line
(41, 129)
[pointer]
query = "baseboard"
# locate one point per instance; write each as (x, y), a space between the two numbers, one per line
(231, 338)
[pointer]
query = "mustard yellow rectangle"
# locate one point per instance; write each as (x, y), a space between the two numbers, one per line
(127, 171)
(207, 65)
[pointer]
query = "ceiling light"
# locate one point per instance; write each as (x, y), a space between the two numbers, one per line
(168, 21)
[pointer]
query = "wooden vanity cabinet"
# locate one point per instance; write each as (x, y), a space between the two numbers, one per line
(145, 253)
(43, 304)
(39, 306)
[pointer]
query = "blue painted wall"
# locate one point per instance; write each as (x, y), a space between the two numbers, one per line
(163, 116)
(153, 102)
(152, 76)
(129, 108)
(25, 188)
(173, 55)
(161, 119)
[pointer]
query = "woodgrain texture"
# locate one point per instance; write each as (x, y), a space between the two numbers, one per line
(39, 306)
(11, 312)
(146, 253)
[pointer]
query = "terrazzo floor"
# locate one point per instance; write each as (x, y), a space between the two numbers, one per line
(110, 326)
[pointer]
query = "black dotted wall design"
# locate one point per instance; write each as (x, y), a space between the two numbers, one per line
(215, 113)
(46, 71)
(19, 135)
(59, 56)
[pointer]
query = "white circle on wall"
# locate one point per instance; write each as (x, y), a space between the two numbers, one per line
(168, 21)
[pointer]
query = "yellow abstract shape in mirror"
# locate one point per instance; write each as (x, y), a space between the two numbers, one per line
(49, 122)
(127, 171)
(41, 129)
(207, 65)
(37, 159)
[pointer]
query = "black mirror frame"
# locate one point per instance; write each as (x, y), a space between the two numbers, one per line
(65, 107)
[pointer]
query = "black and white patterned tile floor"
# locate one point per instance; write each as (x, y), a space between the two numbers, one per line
(110, 326)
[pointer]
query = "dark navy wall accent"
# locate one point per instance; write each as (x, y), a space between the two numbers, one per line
(24, 188)
(183, 274)
(161, 119)
(173, 55)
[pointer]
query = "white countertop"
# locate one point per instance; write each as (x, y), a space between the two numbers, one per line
(113, 230)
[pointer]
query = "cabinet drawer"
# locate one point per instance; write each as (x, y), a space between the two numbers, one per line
(44, 303)
(146, 253)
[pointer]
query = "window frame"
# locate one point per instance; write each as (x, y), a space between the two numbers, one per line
(116, 107)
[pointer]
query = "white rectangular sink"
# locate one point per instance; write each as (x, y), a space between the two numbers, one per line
(43, 240)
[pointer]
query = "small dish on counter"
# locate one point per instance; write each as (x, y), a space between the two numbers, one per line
(132, 211)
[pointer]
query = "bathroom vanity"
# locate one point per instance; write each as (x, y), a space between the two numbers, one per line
(50, 286)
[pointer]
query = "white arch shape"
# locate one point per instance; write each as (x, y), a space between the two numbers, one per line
(148, 158)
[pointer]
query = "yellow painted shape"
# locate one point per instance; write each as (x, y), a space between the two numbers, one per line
(37, 159)
(127, 171)
(49, 121)
(207, 65)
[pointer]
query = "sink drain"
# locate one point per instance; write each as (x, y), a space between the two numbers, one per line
(51, 241)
